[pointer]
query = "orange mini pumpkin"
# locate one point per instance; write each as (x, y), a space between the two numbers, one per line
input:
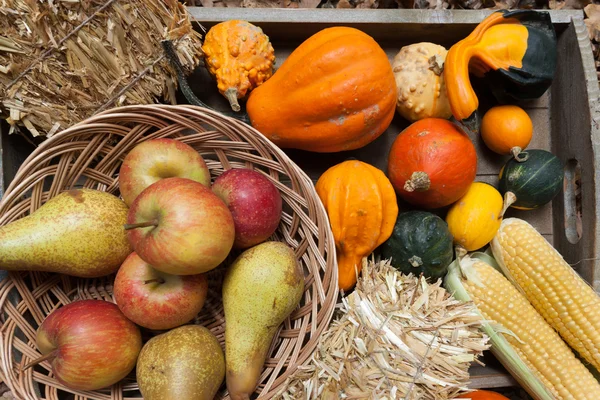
(432, 163)
(240, 56)
(335, 92)
(507, 130)
(362, 209)
(483, 395)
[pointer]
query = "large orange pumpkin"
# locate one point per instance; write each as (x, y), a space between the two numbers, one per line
(335, 92)
(432, 163)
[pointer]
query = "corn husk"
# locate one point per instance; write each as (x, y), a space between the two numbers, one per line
(500, 347)
(396, 337)
(63, 61)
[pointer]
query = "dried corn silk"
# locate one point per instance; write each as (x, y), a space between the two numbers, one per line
(396, 337)
(63, 61)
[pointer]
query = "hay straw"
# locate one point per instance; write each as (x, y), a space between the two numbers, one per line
(63, 61)
(398, 337)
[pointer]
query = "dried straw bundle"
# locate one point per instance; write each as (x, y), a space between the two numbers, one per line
(398, 337)
(63, 61)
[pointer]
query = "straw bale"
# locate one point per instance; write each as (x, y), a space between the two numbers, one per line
(62, 61)
(395, 337)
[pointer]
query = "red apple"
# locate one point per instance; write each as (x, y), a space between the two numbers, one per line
(254, 202)
(90, 343)
(180, 227)
(156, 159)
(156, 300)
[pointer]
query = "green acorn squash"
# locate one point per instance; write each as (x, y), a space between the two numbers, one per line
(420, 243)
(532, 183)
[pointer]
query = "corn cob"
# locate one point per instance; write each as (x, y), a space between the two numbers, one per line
(557, 292)
(546, 356)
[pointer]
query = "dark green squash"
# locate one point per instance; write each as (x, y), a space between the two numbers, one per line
(420, 243)
(533, 182)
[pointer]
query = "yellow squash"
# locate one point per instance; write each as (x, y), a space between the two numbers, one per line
(361, 204)
(475, 218)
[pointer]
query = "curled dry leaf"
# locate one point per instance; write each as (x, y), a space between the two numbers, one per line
(593, 21)
(396, 337)
(263, 3)
(568, 4)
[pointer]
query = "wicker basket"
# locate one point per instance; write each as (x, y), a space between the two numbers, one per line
(89, 154)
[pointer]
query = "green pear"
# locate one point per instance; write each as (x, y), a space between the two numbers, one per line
(260, 290)
(78, 232)
(183, 363)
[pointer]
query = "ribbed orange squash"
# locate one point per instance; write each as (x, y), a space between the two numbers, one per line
(362, 209)
(335, 92)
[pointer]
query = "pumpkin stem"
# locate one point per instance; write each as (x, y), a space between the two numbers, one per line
(231, 95)
(418, 181)
(519, 154)
(509, 199)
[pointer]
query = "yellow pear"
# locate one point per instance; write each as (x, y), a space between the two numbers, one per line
(260, 290)
(78, 232)
(183, 363)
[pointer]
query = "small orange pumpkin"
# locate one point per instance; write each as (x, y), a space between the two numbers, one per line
(240, 56)
(362, 209)
(335, 92)
(507, 130)
(483, 395)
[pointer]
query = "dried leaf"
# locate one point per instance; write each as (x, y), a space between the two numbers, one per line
(367, 4)
(568, 4)
(307, 3)
(262, 3)
(593, 21)
(232, 3)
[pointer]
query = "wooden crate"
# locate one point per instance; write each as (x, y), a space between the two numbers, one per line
(565, 119)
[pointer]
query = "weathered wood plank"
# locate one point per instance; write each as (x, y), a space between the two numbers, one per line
(576, 138)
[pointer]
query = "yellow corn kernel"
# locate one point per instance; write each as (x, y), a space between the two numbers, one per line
(538, 345)
(557, 292)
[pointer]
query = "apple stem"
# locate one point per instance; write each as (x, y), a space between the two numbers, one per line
(157, 280)
(144, 224)
(48, 356)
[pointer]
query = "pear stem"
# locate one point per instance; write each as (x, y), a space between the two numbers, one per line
(157, 280)
(144, 224)
(48, 356)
